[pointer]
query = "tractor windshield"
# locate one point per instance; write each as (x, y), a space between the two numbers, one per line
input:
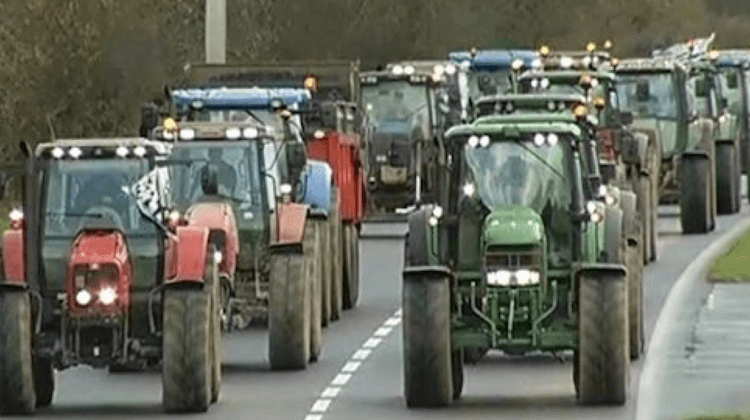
(485, 83)
(398, 106)
(520, 173)
(87, 193)
(236, 164)
(648, 95)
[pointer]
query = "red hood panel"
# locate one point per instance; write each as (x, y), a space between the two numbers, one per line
(101, 247)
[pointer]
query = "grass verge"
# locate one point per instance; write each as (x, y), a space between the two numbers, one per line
(733, 267)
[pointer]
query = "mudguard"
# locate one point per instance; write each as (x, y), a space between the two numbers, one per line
(317, 185)
(291, 223)
(591, 269)
(422, 246)
(14, 257)
(432, 272)
(190, 253)
(635, 148)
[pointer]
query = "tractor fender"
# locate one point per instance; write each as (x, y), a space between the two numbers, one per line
(291, 221)
(432, 272)
(14, 257)
(418, 236)
(317, 182)
(635, 148)
(190, 254)
(592, 269)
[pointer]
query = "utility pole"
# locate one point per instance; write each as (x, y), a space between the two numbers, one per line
(216, 31)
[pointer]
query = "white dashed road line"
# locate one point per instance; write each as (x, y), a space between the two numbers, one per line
(342, 378)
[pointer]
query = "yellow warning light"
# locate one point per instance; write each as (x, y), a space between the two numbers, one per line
(580, 111)
(615, 62)
(713, 55)
(311, 83)
(544, 51)
(170, 124)
(607, 45)
(599, 103)
(591, 47)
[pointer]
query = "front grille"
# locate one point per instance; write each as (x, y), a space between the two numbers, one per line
(499, 258)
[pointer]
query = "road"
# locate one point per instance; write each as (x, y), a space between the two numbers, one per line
(359, 375)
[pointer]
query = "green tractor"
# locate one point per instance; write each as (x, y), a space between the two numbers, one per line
(515, 258)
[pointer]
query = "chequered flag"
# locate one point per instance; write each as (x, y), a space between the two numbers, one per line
(152, 192)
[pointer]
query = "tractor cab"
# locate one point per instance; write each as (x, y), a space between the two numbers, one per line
(734, 68)
(403, 105)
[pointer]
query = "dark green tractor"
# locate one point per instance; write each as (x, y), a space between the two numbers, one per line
(517, 258)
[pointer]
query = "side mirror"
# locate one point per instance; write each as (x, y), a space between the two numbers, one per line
(210, 180)
(149, 119)
(642, 92)
(626, 117)
(296, 158)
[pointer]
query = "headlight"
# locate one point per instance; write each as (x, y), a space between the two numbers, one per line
(233, 133)
(522, 277)
(218, 257)
(397, 70)
(75, 152)
(433, 221)
(167, 135)
(484, 141)
(122, 151)
(450, 69)
(58, 153)
(566, 62)
(473, 141)
(534, 83)
(83, 297)
(409, 70)
(552, 139)
(16, 215)
(319, 134)
(107, 295)
(544, 83)
(595, 211)
(187, 134)
(437, 212)
(250, 133)
(469, 189)
(285, 188)
(140, 151)
(539, 139)
(438, 69)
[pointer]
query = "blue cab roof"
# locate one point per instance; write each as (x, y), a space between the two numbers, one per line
(494, 60)
(239, 98)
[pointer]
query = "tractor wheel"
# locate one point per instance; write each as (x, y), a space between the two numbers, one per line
(727, 183)
(351, 273)
(214, 282)
(646, 210)
(311, 247)
(17, 393)
(427, 342)
(653, 204)
(289, 311)
(44, 382)
(695, 197)
(603, 348)
(326, 271)
(634, 263)
(187, 364)
(457, 373)
(474, 354)
(613, 237)
(337, 270)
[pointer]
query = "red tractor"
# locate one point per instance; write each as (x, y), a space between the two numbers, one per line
(92, 276)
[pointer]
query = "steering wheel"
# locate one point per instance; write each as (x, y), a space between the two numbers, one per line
(109, 219)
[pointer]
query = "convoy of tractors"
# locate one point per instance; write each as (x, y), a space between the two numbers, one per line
(529, 181)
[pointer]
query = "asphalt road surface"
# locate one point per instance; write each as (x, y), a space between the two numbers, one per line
(359, 375)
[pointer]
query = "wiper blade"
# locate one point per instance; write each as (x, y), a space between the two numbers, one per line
(93, 215)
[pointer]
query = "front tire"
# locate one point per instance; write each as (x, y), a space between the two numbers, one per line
(44, 382)
(312, 252)
(695, 195)
(727, 184)
(17, 393)
(427, 348)
(603, 348)
(187, 368)
(289, 311)
(351, 273)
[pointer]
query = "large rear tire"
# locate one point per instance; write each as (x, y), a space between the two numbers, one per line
(187, 364)
(17, 393)
(727, 183)
(634, 263)
(457, 373)
(289, 311)
(427, 346)
(313, 250)
(695, 195)
(645, 210)
(213, 280)
(603, 348)
(326, 271)
(351, 273)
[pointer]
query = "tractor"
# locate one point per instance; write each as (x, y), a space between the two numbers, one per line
(626, 159)
(94, 274)
(515, 257)
(675, 99)
(269, 215)
(596, 188)
(408, 107)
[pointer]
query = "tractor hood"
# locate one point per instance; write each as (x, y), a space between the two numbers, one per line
(513, 225)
